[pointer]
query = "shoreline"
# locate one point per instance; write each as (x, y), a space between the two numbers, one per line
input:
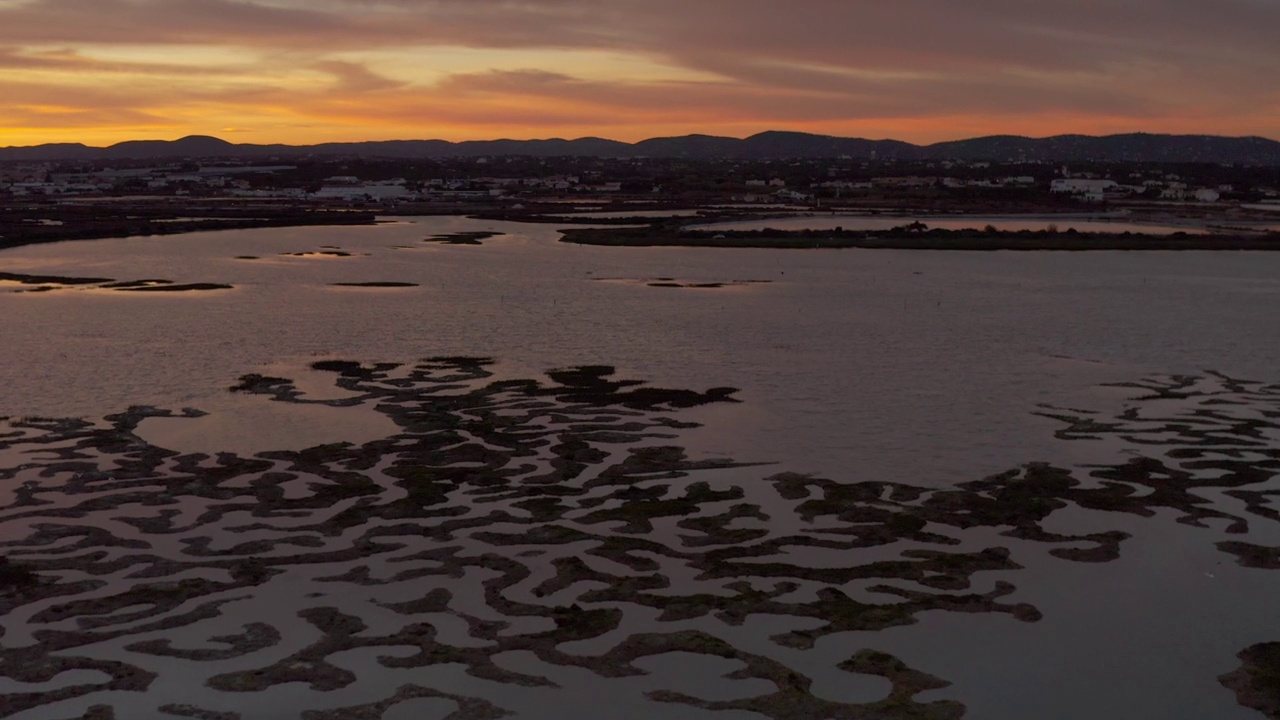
(22, 229)
(907, 238)
(20, 234)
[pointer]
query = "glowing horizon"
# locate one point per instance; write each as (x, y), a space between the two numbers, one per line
(921, 71)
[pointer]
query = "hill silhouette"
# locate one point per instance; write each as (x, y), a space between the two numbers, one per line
(1134, 147)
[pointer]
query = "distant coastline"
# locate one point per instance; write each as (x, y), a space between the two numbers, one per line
(915, 238)
(100, 223)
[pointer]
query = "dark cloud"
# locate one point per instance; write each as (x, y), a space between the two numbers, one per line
(1164, 62)
(824, 99)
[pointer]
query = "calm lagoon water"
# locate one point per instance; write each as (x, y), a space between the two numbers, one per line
(920, 368)
(931, 359)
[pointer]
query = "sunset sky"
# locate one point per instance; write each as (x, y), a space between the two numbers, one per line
(306, 71)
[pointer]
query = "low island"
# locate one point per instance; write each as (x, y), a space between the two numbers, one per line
(916, 236)
(33, 225)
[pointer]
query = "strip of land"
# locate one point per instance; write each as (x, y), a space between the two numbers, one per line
(29, 226)
(915, 237)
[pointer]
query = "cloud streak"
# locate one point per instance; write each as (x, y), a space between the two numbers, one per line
(917, 69)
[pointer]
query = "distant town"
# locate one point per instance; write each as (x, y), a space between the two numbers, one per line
(57, 200)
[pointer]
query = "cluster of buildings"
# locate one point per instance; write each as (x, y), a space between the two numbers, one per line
(29, 180)
(372, 182)
(1171, 187)
(273, 182)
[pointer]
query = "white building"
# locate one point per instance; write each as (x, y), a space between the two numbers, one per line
(1081, 186)
(365, 191)
(792, 196)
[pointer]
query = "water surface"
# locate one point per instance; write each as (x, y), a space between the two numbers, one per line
(924, 370)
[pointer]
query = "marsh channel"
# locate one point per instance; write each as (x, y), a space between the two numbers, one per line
(452, 468)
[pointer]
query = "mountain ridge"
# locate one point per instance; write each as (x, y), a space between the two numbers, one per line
(773, 144)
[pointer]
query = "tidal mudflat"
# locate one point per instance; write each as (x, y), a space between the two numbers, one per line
(919, 236)
(670, 282)
(993, 485)
(320, 254)
(464, 238)
(49, 283)
(528, 547)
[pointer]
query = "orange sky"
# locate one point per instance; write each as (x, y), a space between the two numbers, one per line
(102, 71)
